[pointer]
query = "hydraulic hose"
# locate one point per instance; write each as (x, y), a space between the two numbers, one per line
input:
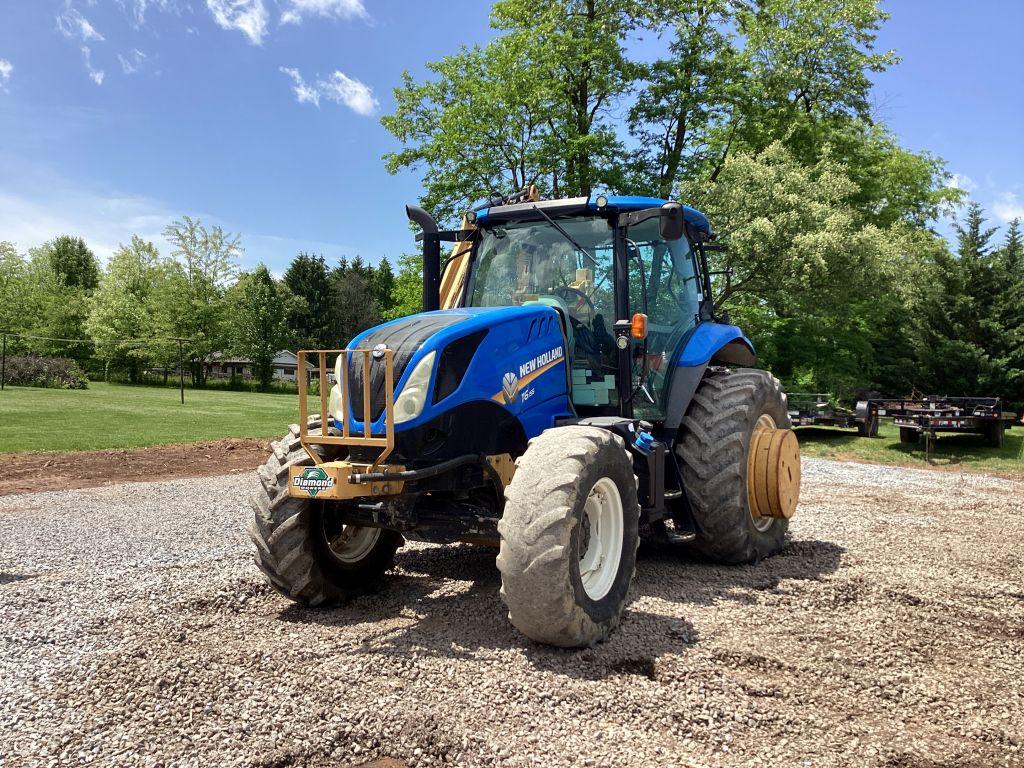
(415, 474)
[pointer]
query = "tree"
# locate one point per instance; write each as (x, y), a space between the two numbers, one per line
(12, 288)
(383, 285)
(72, 262)
(355, 309)
(477, 129)
(407, 296)
(683, 117)
(121, 308)
(575, 53)
(542, 102)
(192, 295)
(55, 303)
(258, 321)
(311, 317)
(1009, 313)
(958, 328)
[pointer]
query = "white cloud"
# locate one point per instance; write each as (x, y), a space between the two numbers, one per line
(95, 74)
(5, 74)
(338, 87)
(103, 221)
(132, 61)
(73, 25)
(136, 9)
(964, 182)
(247, 16)
(304, 92)
(296, 10)
(346, 90)
(1008, 207)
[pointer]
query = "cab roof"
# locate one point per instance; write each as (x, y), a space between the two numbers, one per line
(579, 205)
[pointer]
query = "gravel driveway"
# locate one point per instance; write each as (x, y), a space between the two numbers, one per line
(890, 632)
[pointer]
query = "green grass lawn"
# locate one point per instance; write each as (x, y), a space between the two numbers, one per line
(966, 452)
(120, 416)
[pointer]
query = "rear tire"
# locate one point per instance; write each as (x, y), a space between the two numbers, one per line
(909, 436)
(569, 535)
(712, 453)
(302, 549)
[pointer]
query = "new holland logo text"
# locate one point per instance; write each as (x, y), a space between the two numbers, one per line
(511, 384)
(313, 480)
(540, 362)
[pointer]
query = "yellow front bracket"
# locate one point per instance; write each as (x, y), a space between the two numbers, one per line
(330, 481)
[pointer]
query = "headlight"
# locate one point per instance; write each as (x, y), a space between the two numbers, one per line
(410, 402)
(335, 406)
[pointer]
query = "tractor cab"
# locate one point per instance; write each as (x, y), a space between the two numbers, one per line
(626, 292)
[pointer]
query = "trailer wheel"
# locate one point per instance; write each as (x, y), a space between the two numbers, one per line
(724, 423)
(569, 535)
(995, 434)
(908, 435)
(868, 428)
(304, 552)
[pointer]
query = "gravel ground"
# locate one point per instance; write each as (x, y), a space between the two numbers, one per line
(890, 632)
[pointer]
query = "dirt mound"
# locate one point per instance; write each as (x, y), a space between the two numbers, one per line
(30, 472)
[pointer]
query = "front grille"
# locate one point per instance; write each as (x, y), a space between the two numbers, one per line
(404, 337)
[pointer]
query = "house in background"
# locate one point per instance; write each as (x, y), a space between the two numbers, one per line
(286, 364)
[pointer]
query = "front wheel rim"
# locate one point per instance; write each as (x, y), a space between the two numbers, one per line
(603, 534)
(352, 543)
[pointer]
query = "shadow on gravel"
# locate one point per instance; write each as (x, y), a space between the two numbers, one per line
(444, 602)
(676, 575)
(10, 578)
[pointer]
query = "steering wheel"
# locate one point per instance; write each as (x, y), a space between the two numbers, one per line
(576, 299)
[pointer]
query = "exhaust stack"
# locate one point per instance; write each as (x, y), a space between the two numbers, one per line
(431, 256)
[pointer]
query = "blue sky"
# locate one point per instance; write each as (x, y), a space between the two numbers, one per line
(263, 115)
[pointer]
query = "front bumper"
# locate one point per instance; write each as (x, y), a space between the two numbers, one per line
(333, 480)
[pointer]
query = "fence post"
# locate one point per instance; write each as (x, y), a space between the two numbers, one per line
(181, 373)
(3, 364)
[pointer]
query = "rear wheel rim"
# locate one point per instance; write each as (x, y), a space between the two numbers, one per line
(764, 421)
(602, 532)
(351, 543)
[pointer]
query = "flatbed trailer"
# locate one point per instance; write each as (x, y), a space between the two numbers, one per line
(815, 409)
(925, 417)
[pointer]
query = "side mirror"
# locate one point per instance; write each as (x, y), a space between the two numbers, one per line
(671, 221)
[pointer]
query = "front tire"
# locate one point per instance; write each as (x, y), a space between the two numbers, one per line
(569, 535)
(727, 408)
(303, 550)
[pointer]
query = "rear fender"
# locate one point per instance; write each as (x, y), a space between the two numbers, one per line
(706, 344)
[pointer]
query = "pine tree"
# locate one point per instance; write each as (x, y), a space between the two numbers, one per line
(959, 329)
(311, 317)
(1009, 265)
(355, 308)
(384, 286)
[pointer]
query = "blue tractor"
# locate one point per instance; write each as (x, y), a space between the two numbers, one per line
(578, 392)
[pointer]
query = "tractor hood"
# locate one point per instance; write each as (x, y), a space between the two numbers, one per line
(501, 360)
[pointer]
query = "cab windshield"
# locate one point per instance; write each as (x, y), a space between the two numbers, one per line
(531, 262)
